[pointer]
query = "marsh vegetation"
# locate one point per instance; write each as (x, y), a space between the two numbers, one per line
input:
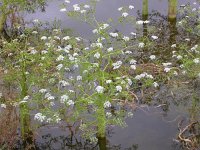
(140, 70)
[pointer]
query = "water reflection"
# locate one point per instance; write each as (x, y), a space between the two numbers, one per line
(103, 13)
(61, 139)
(172, 9)
(145, 14)
(11, 18)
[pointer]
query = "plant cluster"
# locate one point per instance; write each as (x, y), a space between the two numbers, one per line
(94, 82)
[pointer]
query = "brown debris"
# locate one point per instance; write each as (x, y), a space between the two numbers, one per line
(189, 135)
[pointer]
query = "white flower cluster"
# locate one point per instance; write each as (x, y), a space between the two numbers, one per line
(152, 57)
(34, 32)
(40, 117)
(179, 57)
(118, 88)
(129, 82)
(173, 45)
(67, 48)
(120, 8)
(95, 31)
(108, 114)
(141, 45)
(110, 49)
(114, 35)
(139, 22)
(155, 84)
(59, 67)
(43, 38)
(60, 58)
(36, 21)
(49, 96)
(133, 61)
(79, 78)
(124, 14)
(107, 104)
(99, 89)
(117, 64)
(130, 7)
(166, 64)
(104, 26)
(73, 57)
(194, 49)
(25, 99)
(70, 102)
(196, 60)
(64, 98)
(97, 55)
(3, 106)
(167, 69)
(43, 90)
(63, 9)
(56, 37)
(63, 83)
(143, 75)
(76, 7)
(44, 52)
(108, 81)
(99, 45)
(126, 38)
(66, 38)
(154, 37)
(67, 1)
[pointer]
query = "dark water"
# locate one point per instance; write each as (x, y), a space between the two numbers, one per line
(151, 127)
(105, 9)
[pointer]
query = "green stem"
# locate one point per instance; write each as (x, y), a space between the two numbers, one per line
(101, 120)
(145, 13)
(172, 9)
(25, 120)
(145, 9)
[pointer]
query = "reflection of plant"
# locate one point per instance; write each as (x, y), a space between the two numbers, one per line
(8, 124)
(9, 10)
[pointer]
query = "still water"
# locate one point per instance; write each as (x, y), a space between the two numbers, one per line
(105, 9)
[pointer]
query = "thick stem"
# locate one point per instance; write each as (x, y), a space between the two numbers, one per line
(145, 9)
(172, 9)
(25, 120)
(102, 143)
(145, 16)
(101, 121)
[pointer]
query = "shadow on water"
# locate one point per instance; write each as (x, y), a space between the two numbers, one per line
(155, 119)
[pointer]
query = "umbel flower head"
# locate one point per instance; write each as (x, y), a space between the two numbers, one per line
(99, 89)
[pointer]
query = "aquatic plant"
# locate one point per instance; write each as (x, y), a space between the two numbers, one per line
(94, 83)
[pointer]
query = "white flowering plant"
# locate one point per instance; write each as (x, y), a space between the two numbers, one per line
(93, 82)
